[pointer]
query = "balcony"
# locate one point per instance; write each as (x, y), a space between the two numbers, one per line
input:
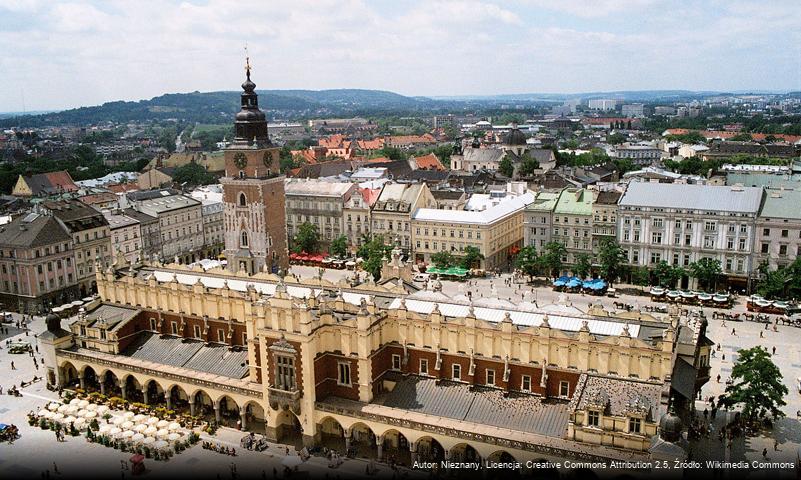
(279, 398)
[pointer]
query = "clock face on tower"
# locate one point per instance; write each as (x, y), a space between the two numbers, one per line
(240, 160)
(268, 159)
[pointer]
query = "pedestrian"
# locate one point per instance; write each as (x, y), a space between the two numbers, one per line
(723, 358)
(764, 453)
(12, 366)
(37, 348)
(774, 350)
(775, 445)
(733, 332)
(761, 335)
(55, 469)
(718, 378)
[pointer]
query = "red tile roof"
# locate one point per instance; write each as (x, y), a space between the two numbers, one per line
(122, 187)
(429, 162)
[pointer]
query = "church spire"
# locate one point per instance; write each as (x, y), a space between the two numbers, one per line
(251, 123)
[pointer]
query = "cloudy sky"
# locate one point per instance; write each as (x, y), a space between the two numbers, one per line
(67, 54)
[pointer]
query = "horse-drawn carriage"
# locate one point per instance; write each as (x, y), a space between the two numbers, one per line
(8, 433)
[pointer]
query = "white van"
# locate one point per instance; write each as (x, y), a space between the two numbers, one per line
(421, 277)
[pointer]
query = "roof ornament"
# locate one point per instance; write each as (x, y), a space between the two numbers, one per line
(247, 62)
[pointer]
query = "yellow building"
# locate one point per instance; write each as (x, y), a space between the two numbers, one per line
(418, 377)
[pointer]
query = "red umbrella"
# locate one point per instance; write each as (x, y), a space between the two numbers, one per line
(138, 458)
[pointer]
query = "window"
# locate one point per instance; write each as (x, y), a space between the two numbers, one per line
(635, 424)
(765, 247)
(490, 377)
(344, 373)
(197, 331)
(741, 245)
(285, 373)
(564, 388)
(152, 323)
(243, 201)
(593, 418)
(221, 335)
(456, 371)
(396, 362)
(525, 383)
(174, 328)
(423, 366)
(656, 237)
(243, 239)
(785, 233)
(782, 250)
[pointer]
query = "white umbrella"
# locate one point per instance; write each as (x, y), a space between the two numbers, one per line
(174, 426)
(150, 431)
(162, 424)
(128, 415)
(160, 444)
(114, 431)
(162, 433)
(291, 461)
(75, 401)
(127, 434)
(69, 419)
(101, 409)
(140, 428)
(148, 440)
(62, 409)
(118, 421)
(104, 428)
(58, 416)
(173, 437)
(53, 406)
(139, 418)
(127, 425)
(46, 414)
(83, 403)
(79, 421)
(90, 414)
(91, 407)
(81, 413)
(152, 421)
(41, 412)
(137, 437)
(72, 409)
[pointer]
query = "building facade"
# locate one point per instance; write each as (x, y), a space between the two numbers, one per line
(572, 222)
(778, 229)
(681, 223)
(604, 218)
(126, 237)
(320, 203)
(180, 220)
(538, 220)
(391, 215)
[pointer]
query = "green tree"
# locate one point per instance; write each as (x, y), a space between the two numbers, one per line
(742, 137)
(472, 257)
(285, 159)
(339, 247)
(505, 167)
(527, 261)
(528, 165)
(192, 174)
(393, 153)
(307, 239)
(757, 385)
(615, 139)
(667, 275)
(442, 259)
(583, 265)
(640, 276)
(373, 252)
(707, 271)
(551, 260)
(612, 260)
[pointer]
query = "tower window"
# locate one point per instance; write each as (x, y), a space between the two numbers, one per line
(242, 200)
(243, 240)
(241, 174)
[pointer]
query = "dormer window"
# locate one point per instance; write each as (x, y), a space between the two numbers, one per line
(593, 418)
(635, 425)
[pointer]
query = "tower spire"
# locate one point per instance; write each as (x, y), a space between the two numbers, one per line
(247, 62)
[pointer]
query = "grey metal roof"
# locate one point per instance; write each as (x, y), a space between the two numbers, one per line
(782, 204)
(30, 231)
(191, 354)
(479, 405)
(620, 395)
(111, 314)
(693, 197)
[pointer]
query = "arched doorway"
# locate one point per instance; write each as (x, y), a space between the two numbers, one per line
(463, 452)
(179, 400)
(90, 380)
(229, 411)
(203, 406)
(331, 435)
(288, 429)
(501, 458)
(395, 448)
(110, 386)
(69, 376)
(155, 394)
(429, 450)
(254, 417)
(133, 390)
(363, 441)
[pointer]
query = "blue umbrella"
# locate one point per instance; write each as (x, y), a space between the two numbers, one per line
(574, 282)
(559, 283)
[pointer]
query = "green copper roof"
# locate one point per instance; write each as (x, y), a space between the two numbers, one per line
(782, 204)
(574, 201)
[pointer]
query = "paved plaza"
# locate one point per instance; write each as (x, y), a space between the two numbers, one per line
(37, 450)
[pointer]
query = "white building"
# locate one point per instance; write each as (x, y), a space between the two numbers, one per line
(602, 104)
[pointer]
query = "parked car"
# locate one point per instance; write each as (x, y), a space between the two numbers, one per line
(421, 277)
